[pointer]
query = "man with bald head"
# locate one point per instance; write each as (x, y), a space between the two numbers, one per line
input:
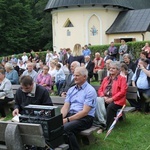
(79, 107)
(30, 71)
(89, 66)
(69, 81)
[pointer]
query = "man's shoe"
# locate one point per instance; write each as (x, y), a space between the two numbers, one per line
(100, 131)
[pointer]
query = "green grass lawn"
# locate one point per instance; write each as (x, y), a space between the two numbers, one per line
(95, 83)
(130, 134)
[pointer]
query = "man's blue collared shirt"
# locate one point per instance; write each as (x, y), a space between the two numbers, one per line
(87, 52)
(142, 82)
(77, 98)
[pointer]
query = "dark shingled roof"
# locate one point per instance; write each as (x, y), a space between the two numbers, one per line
(127, 4)
(131, 21)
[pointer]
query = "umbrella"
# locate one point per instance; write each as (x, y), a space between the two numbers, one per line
(115, 121)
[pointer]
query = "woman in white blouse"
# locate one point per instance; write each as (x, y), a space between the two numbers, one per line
(6, 92)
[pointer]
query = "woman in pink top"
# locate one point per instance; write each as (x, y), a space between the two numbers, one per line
(44, 79)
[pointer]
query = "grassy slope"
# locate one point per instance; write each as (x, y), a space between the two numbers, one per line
(131, 134)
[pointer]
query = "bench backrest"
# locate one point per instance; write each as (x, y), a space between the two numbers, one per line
(131, 93)
(96, 87)
(30, 134)
(15, 87)
(57, 100)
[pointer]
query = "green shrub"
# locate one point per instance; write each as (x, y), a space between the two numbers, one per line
(134, 48)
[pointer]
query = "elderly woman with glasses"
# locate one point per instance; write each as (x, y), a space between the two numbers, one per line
(112, 95)
(44, 78)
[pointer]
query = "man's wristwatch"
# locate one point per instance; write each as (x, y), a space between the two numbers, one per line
(68, 119)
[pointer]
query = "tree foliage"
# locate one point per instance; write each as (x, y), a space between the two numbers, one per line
(23, 26)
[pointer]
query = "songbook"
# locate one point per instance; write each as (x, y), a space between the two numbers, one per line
(15, 118)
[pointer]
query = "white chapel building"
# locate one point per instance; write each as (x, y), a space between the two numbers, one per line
(98, 22)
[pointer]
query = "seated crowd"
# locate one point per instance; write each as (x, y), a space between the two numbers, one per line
(71, 73)
(57, 67)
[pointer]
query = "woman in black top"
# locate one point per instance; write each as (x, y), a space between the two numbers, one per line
(76, 55)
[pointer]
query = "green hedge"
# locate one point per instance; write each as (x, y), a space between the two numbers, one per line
(133, 47)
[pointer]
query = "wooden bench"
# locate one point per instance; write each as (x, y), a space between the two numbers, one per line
(57, 100)
(87, 136)
(15, 87)
(10, 105)
(131, 94)
(96, 87)
(15, 135)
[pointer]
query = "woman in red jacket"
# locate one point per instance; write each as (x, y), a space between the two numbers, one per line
(113, 92)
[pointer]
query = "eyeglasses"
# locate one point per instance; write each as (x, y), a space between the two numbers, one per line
(113, 68)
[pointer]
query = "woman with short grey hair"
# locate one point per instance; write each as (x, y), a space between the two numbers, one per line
(116, 64)
(11, 74)
(111, 96)
(128, 61)
(9, 66)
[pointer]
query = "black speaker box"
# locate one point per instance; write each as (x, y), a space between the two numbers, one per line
(52, 127)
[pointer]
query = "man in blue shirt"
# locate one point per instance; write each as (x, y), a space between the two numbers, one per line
(141, 79)
(86, 51)
(69, 81)
(30, 71)
(79, 108)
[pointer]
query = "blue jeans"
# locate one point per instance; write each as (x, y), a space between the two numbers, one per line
(59, 84)
(76, 126)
